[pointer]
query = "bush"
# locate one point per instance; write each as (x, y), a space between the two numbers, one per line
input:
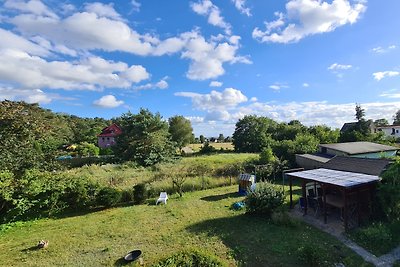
(282, 218)
(389, 192)
(140, 193)
(108, 197)
(191, 258)
(377, 238)
(312, 256)
(265, 199)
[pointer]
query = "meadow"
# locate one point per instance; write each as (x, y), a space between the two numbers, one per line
(198, 220)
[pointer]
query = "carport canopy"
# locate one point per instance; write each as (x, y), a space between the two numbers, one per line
(338, 178)
(347, 181)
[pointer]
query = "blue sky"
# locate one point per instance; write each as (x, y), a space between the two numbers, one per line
(212, 61)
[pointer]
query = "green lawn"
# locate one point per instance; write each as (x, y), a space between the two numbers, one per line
(198, 220)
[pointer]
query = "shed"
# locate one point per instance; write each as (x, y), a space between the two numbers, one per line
(246, 181)
(349, 191)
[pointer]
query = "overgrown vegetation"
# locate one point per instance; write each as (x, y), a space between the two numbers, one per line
(190, 258)
(265, 199)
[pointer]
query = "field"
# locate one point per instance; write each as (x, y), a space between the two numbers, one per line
(200, 220)
(218, 146)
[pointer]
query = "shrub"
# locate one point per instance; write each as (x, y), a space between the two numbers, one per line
(108, 197)
(265, 199)
(377, 238)
(140, 193)
(389, 192)
(312, 256)
(192, 258)
(282, 218)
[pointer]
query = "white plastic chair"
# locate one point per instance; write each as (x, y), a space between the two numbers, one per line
(163, 198)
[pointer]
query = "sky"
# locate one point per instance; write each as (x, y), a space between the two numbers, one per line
(211, 61)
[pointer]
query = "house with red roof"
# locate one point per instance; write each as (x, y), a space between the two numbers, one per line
(108, 135)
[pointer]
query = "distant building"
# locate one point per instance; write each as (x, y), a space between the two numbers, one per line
(358, 150)
(107, 136)
(327, 152)
(390, 130)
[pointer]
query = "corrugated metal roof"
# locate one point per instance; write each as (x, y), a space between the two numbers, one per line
(323, 158)
(334, 177)
(352, 148)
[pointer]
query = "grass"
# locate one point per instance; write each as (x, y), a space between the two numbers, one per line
(218, 146)
(125, 176)
(200, 219)
(378, 238)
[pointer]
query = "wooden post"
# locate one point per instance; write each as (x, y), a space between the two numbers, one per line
(291, 192)
(345, 209)
(304, 194)
(325, 211)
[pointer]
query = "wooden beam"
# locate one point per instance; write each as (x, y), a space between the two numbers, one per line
(291, 192)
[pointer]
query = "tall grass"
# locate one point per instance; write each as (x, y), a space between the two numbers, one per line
(203, 172)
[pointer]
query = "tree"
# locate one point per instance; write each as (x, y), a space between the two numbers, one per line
(181, 130)
(360, 113)
(324, 134)
(396, 118)
(202, 139)
(382, 122)
(144, 139)
(253, 133)
(221, 138)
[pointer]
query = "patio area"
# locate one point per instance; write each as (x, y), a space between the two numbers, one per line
(344, 198)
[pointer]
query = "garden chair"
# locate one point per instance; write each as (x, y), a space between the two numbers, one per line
(163, 198)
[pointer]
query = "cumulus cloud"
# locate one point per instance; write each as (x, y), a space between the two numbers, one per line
(215, 84)
(381, 50)
(100, 27)
(278, 86)
(135, 5)
(207, 58)
(88, 74)
(336, 67)
(103, 10)
(30, 96)
(207, 8)
(108, 101)
(215, 101)
(33, 6)
(309, 17)
(241, 6)
(162, 84)
(11, 40)
(383, 74)
(306, 85)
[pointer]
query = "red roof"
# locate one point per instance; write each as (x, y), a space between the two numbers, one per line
(110, 131)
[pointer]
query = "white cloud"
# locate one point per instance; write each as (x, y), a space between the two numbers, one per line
(306, 85)
(390, 94)
(207, 58)
(108, 101)
(278, 86)
(207, 8)
(100, 27)
(135, 5)
(253, 99)
(215, 101)
(33, 6)
(162, 84)
(103, 10)
(87, 74)
(241, 6)
(11, 40)
(30, 96)
(383, 74)
(309, 17)
(336, 67)
(381, 50)
(215, 84)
